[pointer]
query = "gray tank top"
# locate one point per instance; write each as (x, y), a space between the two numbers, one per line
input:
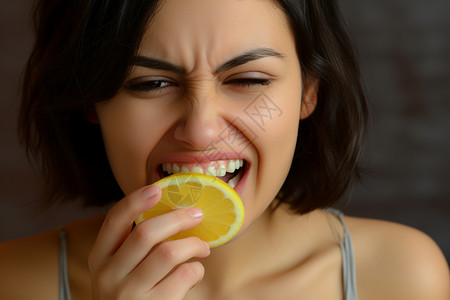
(345, 242)
(348, 258)
(64, 290)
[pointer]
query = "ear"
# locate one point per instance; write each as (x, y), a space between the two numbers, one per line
(91, 115)
(309, 97)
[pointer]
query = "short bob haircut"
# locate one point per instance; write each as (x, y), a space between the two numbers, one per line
(83, 53)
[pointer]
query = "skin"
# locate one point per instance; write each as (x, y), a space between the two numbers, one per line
(275, 256)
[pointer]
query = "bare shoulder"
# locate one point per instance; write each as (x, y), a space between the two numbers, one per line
(29, 267)
(394, 261)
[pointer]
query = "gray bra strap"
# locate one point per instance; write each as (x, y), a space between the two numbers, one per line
(64, 289)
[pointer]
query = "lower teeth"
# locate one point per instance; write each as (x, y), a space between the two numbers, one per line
(233, 181)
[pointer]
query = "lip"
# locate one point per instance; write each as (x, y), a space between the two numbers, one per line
(204, 158)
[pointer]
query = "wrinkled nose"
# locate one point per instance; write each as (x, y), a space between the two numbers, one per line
(200, 125)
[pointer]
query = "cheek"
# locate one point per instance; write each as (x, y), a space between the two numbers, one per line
(278, 143)
(280, 137)
(129, 136)
(278, 115)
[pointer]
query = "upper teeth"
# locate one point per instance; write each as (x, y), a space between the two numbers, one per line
(214, 168)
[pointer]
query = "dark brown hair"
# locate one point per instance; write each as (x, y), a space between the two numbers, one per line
(83, 52)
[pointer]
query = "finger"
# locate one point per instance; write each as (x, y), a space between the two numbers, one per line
(163, 259)
(179, 282)
(118, 223)
(150, 233)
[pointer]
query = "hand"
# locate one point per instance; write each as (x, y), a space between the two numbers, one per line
(139, 264)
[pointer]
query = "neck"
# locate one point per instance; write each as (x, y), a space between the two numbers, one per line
(269, 246)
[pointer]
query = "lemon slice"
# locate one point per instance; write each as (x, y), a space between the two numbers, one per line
(223, 212)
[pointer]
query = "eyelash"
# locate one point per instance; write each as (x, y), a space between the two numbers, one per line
(145, 86)
(154, 86)
(249, 82)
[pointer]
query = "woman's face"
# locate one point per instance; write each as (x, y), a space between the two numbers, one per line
(214, 82)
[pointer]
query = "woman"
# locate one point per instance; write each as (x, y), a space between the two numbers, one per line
(115, 89)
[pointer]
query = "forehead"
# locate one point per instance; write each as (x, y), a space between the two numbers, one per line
(188, 32)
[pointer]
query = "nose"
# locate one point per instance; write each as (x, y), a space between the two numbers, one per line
(200, 124)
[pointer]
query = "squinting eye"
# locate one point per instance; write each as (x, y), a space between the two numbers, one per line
(151, 86)
(148, 85)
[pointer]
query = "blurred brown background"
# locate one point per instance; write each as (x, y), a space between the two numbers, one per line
(404, 48)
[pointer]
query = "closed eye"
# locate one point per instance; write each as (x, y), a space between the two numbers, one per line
(248, 82)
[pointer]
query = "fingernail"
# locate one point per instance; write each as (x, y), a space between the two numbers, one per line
(195, 212)
(150, 191)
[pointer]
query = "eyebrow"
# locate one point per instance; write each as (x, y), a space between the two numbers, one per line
(254, 54)
(247, 57)
(153, 63)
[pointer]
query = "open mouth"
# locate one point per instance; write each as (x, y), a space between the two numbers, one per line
(230, 171)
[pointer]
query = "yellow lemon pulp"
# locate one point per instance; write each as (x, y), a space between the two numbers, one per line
(223, 212)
